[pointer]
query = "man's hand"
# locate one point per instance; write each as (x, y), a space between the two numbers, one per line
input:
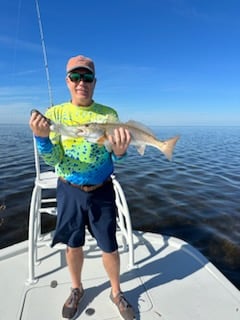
(39, 125)
(120, 141)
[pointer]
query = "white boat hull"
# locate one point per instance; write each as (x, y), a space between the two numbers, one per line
(170, 281)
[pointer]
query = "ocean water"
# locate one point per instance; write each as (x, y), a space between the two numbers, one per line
(195, 197)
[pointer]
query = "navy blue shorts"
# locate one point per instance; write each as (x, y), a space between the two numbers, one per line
(78, 209)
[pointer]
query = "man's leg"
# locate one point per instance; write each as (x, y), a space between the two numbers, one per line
(74, 257)
(111, 262)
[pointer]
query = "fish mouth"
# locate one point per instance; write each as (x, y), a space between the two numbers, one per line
(81, 132)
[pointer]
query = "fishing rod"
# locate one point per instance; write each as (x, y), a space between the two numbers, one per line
(44, 54)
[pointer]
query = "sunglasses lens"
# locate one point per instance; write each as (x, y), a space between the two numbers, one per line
(77, 77)
(74, 77)
(88, 77)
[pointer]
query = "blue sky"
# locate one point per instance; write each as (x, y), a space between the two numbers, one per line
(161, 62)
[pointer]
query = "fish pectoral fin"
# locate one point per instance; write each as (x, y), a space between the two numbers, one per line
(101, 140)
(141, 149)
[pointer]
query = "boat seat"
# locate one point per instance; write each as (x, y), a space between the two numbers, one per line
(45, 183)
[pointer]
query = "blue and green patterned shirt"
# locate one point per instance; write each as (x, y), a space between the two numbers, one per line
(75, 159)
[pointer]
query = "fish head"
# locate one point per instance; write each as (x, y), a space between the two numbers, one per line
(90, 131)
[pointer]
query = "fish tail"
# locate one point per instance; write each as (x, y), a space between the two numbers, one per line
(167, 147)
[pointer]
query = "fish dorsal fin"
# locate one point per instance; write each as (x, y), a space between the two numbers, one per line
(140, 126)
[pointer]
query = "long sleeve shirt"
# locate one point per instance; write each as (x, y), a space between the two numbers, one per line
(76, 159)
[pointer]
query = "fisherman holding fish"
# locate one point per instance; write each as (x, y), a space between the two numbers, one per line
(85, 194)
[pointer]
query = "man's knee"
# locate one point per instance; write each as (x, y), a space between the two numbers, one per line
(73, 251)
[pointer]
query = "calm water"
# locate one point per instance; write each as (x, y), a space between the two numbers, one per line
(196, 197)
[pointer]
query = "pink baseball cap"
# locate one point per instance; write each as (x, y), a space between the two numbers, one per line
(80, 62)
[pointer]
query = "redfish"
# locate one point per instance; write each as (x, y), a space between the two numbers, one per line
(141, 136)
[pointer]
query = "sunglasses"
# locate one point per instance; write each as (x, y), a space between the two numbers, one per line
(77, 77)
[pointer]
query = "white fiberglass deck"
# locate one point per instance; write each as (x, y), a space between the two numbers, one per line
(171, 281)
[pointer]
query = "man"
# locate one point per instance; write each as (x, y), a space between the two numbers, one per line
(85, 193)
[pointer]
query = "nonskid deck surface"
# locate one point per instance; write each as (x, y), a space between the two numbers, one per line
(171, 280)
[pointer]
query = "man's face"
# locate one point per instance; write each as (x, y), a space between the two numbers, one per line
(81, 84)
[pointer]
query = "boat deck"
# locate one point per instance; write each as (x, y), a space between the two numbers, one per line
(171, 280)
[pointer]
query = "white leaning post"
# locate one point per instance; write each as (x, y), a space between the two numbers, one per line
(44, 180)
(124, 220)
